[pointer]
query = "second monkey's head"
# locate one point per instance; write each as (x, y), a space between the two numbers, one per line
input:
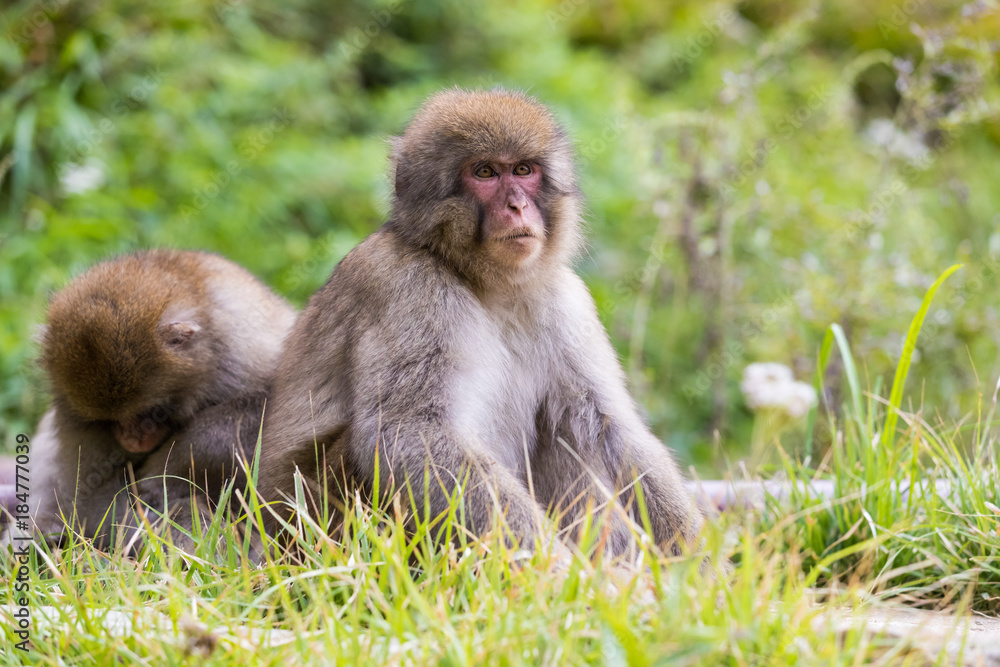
(486, 181)
(127, 345)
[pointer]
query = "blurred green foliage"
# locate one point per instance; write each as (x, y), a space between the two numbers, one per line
(754, 171)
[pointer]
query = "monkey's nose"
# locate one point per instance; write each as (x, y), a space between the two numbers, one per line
(517, 202)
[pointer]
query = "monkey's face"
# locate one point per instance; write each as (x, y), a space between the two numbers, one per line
(136, 407)
(486, 181)
(142, 433)
(133, 396)
(512, 227)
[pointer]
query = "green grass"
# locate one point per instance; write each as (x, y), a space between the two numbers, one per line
(381, 595)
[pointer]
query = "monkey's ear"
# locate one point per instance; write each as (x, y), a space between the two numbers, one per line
(178, 333)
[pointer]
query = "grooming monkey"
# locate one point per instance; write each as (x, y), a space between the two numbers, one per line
(458, 341)
(160, 362)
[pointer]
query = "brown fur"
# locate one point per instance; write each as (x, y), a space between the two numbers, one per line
(423, 351)
(180, 343)
(453, 128)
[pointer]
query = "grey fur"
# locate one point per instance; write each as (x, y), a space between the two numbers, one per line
(422, 352)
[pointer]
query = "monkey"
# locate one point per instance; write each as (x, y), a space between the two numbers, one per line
(159, 363)
(456, 344)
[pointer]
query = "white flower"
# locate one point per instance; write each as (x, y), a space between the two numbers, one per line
(772, 385)
(79, 178)
(801, 397)
(909, 146)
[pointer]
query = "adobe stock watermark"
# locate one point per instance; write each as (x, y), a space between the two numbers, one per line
(561, 12)
(20, 536)
(695, 46)
(359, 38)
(733, 353)
(863, 222)
(225, 7)
(356, 39)
(610, 131)
(899, 16)
(633, 281)
(248, 150)
(785, 128)
(87, 143)
(324, 252)
(24, 30)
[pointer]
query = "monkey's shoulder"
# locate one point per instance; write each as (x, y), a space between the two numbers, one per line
(384, 270)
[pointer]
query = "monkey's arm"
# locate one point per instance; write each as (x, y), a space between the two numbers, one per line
(198, 462)
(614, 446)
(208, 451)
(369, 369)
(82, 478)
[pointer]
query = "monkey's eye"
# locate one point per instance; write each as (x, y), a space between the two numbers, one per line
(522, 169)
(485, 171)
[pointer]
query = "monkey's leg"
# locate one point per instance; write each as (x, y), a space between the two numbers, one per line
(600, 460)
(673, 516)
(490, 494)
(164, 500)
(96, 512)
(577, 488)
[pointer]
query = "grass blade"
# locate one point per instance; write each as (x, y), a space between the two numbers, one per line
(849, 369)
(903, 368)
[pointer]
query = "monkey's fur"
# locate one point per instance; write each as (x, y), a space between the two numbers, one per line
(159, 363)
(433, 350)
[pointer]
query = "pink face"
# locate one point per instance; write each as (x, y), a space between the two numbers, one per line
(513, 229)
(142, 433)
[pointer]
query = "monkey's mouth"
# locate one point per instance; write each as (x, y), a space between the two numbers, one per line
(522, 233)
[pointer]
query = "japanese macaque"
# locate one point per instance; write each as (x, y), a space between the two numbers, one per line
(457, 342)
(159, 363)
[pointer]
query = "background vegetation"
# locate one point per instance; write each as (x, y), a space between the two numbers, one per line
(754, 171)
